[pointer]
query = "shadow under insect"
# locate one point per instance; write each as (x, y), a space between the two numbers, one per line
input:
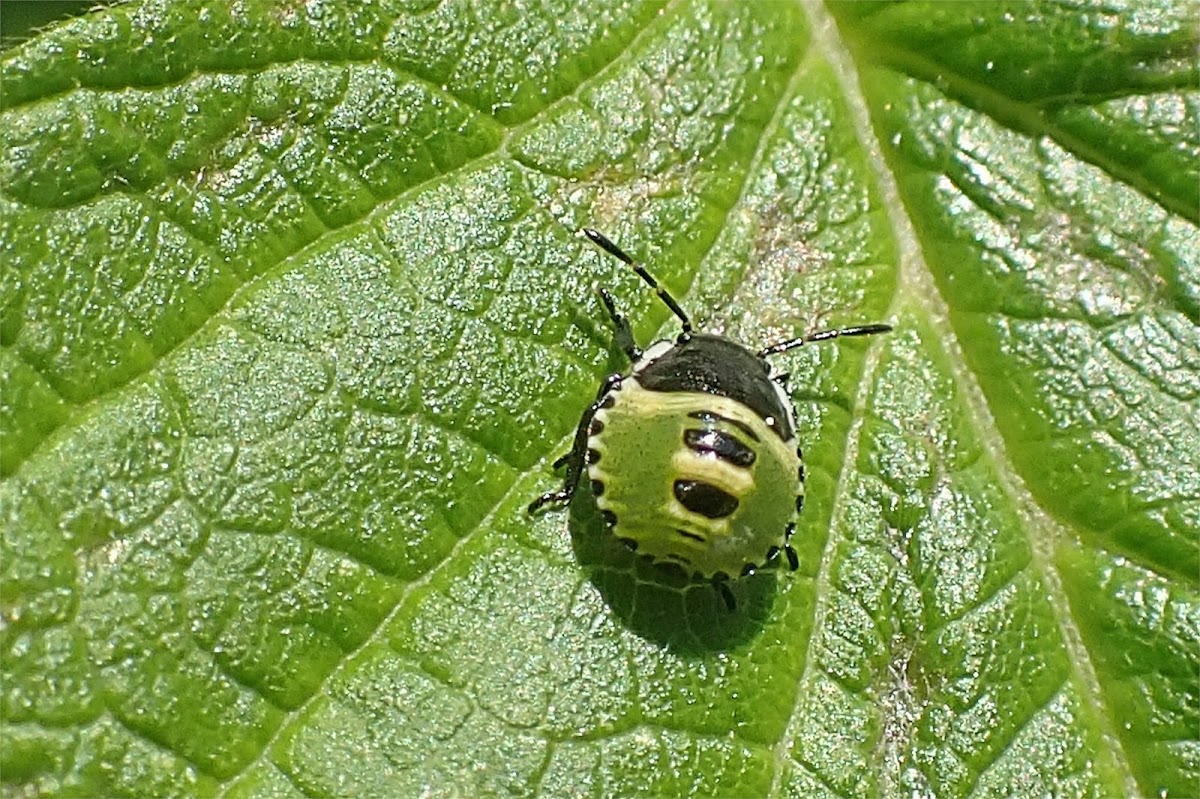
(660, 601)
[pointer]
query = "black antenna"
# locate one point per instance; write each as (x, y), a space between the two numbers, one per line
(824, 335)
(603, 243)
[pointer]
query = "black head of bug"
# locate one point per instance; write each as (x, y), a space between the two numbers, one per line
(709, 364)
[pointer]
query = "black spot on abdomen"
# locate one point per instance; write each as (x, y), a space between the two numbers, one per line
(704, 499)
(711, 417)
(719, 443)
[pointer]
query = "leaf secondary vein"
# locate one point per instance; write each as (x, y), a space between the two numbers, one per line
(1034, 119)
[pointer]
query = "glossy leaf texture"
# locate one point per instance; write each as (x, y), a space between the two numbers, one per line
(295, 317)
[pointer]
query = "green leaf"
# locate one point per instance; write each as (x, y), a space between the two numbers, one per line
(294, 318)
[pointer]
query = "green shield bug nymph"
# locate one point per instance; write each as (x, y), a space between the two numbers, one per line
(692, 455)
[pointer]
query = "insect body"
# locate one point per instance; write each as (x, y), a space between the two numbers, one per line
(692, 456)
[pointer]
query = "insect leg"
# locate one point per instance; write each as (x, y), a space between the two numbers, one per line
(720, 582)
(576, 459)
(623, 334)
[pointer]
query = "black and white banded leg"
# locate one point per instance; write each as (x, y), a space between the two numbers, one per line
(622, 333)
(576, 459)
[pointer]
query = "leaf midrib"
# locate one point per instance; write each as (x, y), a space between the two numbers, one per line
(917, 288)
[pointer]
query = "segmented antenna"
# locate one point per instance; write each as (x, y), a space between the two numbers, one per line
(603, 243)
(824, 335)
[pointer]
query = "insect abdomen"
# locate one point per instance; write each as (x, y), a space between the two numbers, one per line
(683, 477)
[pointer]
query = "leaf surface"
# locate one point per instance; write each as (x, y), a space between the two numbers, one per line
(294, 318)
